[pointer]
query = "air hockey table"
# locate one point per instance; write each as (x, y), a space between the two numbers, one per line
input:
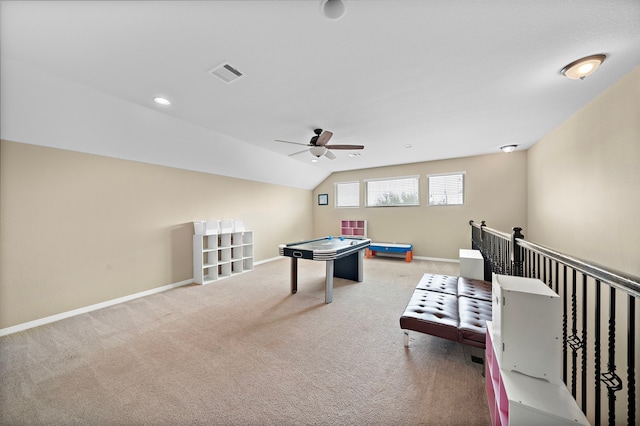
(344, 258)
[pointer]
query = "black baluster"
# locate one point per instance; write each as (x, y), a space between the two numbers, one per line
(499, 256)
(610, 378)
(631, 368)
(573, 337)
(596, 354)
(584, 344)
(564, 325)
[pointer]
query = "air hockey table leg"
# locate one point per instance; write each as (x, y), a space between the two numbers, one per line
(328, 289)
(294, 275)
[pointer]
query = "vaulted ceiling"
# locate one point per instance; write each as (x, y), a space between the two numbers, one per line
(410, 80)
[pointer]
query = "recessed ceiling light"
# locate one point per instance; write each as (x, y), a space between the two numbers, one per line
(408, 146)
(354, 154)
(315, 160)
(582, 68)
(162, 101)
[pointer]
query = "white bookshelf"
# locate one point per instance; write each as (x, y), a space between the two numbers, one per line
(221, 249)
(523, 356)
(518, 399)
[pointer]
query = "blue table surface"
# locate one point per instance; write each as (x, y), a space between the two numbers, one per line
(375, 246)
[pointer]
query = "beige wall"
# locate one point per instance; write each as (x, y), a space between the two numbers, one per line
(79, 229)
(584, 199)
(495, 190)
(584, 181)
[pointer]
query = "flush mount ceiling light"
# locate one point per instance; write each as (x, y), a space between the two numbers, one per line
(333, 9)
(508, 148)
(582, 68)
(162, 101)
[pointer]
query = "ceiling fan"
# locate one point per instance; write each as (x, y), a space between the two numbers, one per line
(318, 145)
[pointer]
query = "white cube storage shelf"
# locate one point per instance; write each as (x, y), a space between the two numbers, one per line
(518, 399)
(357, 228)
(221, 254)
(527, 325)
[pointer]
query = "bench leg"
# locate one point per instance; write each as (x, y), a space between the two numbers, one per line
(408, 256)
(406, 338)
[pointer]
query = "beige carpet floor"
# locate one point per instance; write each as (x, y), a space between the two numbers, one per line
(244, 351)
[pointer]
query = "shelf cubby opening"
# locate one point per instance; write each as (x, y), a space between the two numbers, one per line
(224, 270)
(247, 237)
(247, 264)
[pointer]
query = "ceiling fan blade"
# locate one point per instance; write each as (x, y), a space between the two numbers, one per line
(344, 146)
(299, 152)
(330, 155)
(324, 138)
(294, 143)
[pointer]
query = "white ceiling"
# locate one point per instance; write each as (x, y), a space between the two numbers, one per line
(452, 78)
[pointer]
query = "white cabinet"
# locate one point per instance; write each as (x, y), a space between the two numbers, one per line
(527, 322)
(517, 399)
(471, 264)
(220, 251)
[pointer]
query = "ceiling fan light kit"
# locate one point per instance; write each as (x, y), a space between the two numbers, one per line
(318, 145)
(317, 151)
(582, 68)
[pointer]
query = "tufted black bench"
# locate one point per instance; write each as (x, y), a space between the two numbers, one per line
(454, 308)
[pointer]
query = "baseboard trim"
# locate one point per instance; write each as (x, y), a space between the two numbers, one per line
(437, 259)
(268, 260)
(84, 310)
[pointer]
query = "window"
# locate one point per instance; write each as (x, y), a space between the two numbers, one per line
(347, 194)
(446, 189)
(402, 191)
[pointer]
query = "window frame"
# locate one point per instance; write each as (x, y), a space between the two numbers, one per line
(463, 192)
(336, 197)
(390, 179)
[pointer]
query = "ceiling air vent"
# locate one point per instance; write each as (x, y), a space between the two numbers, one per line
(226, 72)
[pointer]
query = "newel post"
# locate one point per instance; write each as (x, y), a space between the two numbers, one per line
(516, 253)
(488, 269)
